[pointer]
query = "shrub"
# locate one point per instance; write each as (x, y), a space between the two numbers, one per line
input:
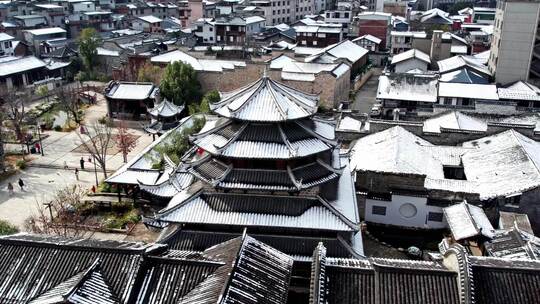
(121, 207)
(6, 228)
(21, 163)
(103, 120)
(104, 187)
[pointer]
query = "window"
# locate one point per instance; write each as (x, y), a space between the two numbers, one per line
(513, 200)
(435, 216)
(314, 42)
(211, 29)
(378, 210)
(304, 42)
(211, 38)
(451, 172)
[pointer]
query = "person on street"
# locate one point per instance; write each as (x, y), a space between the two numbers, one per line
(10, 189)
(38, 148)
(21, 184)
(82, 163)
(65, 165)
(77, 173)
(93, 189)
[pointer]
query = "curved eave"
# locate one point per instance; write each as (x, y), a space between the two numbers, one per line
(301, 186)
(264, 150)
(266, 101)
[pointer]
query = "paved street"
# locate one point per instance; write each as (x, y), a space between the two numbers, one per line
(365, 97)
(45, 174)
(41, 183)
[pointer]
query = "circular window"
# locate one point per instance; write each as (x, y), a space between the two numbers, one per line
(407, 210)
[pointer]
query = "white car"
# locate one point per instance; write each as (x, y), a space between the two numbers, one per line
(376, 110)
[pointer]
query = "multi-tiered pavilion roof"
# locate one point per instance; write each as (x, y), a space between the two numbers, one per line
(264, 163)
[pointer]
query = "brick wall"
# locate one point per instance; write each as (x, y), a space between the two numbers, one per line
(377, 28)
(332, 90)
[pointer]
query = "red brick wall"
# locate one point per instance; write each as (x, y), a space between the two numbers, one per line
(377, 28)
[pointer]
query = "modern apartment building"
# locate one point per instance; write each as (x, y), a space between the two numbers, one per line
(515, 46)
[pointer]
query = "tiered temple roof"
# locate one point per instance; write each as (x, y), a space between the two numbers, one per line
(265, 163)
(165, 116)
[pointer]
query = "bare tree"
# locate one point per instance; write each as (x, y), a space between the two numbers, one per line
(96, 140)
(63, 215)
(15, 110)
(70, 103)
(125, 141)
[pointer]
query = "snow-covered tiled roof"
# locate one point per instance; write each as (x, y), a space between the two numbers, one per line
(345, 49)
(254, 19)
(466, 220)
(46, 31)
(150, 19)
(266, 100)
(458, 49)
(460, 61)
(468, 90)
(454, 120)
(131, 90)
(504, 164)
(395, 150)
(197, 64)
(228, 209)
(4, 37)
(410, 54)
(106, 52)
(368, 37)
(16, 65)
(408, 87)
(408, 34)
(520, 91)
(166, 109)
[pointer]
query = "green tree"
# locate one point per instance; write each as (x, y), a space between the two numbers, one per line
(89, 41)
(208, 99)
(179, 84)
(6, 228)
(43, 91)
(176, 144)
(204, 107)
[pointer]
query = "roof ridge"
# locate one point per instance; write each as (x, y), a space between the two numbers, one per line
(518, 139)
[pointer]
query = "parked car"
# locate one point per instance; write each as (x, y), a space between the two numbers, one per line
(376, 110)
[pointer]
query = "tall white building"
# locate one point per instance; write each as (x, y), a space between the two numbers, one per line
(513, 55)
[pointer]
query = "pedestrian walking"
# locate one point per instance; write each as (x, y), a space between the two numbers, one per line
(93, 189)
(77, 173)
(38, 148)
(65, 165)
(82, 163)
(21, 184)
(10, 188)
(89, 159)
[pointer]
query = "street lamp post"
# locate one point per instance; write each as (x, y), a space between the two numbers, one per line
(95, 172)
(48, 205)
(40, 142)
